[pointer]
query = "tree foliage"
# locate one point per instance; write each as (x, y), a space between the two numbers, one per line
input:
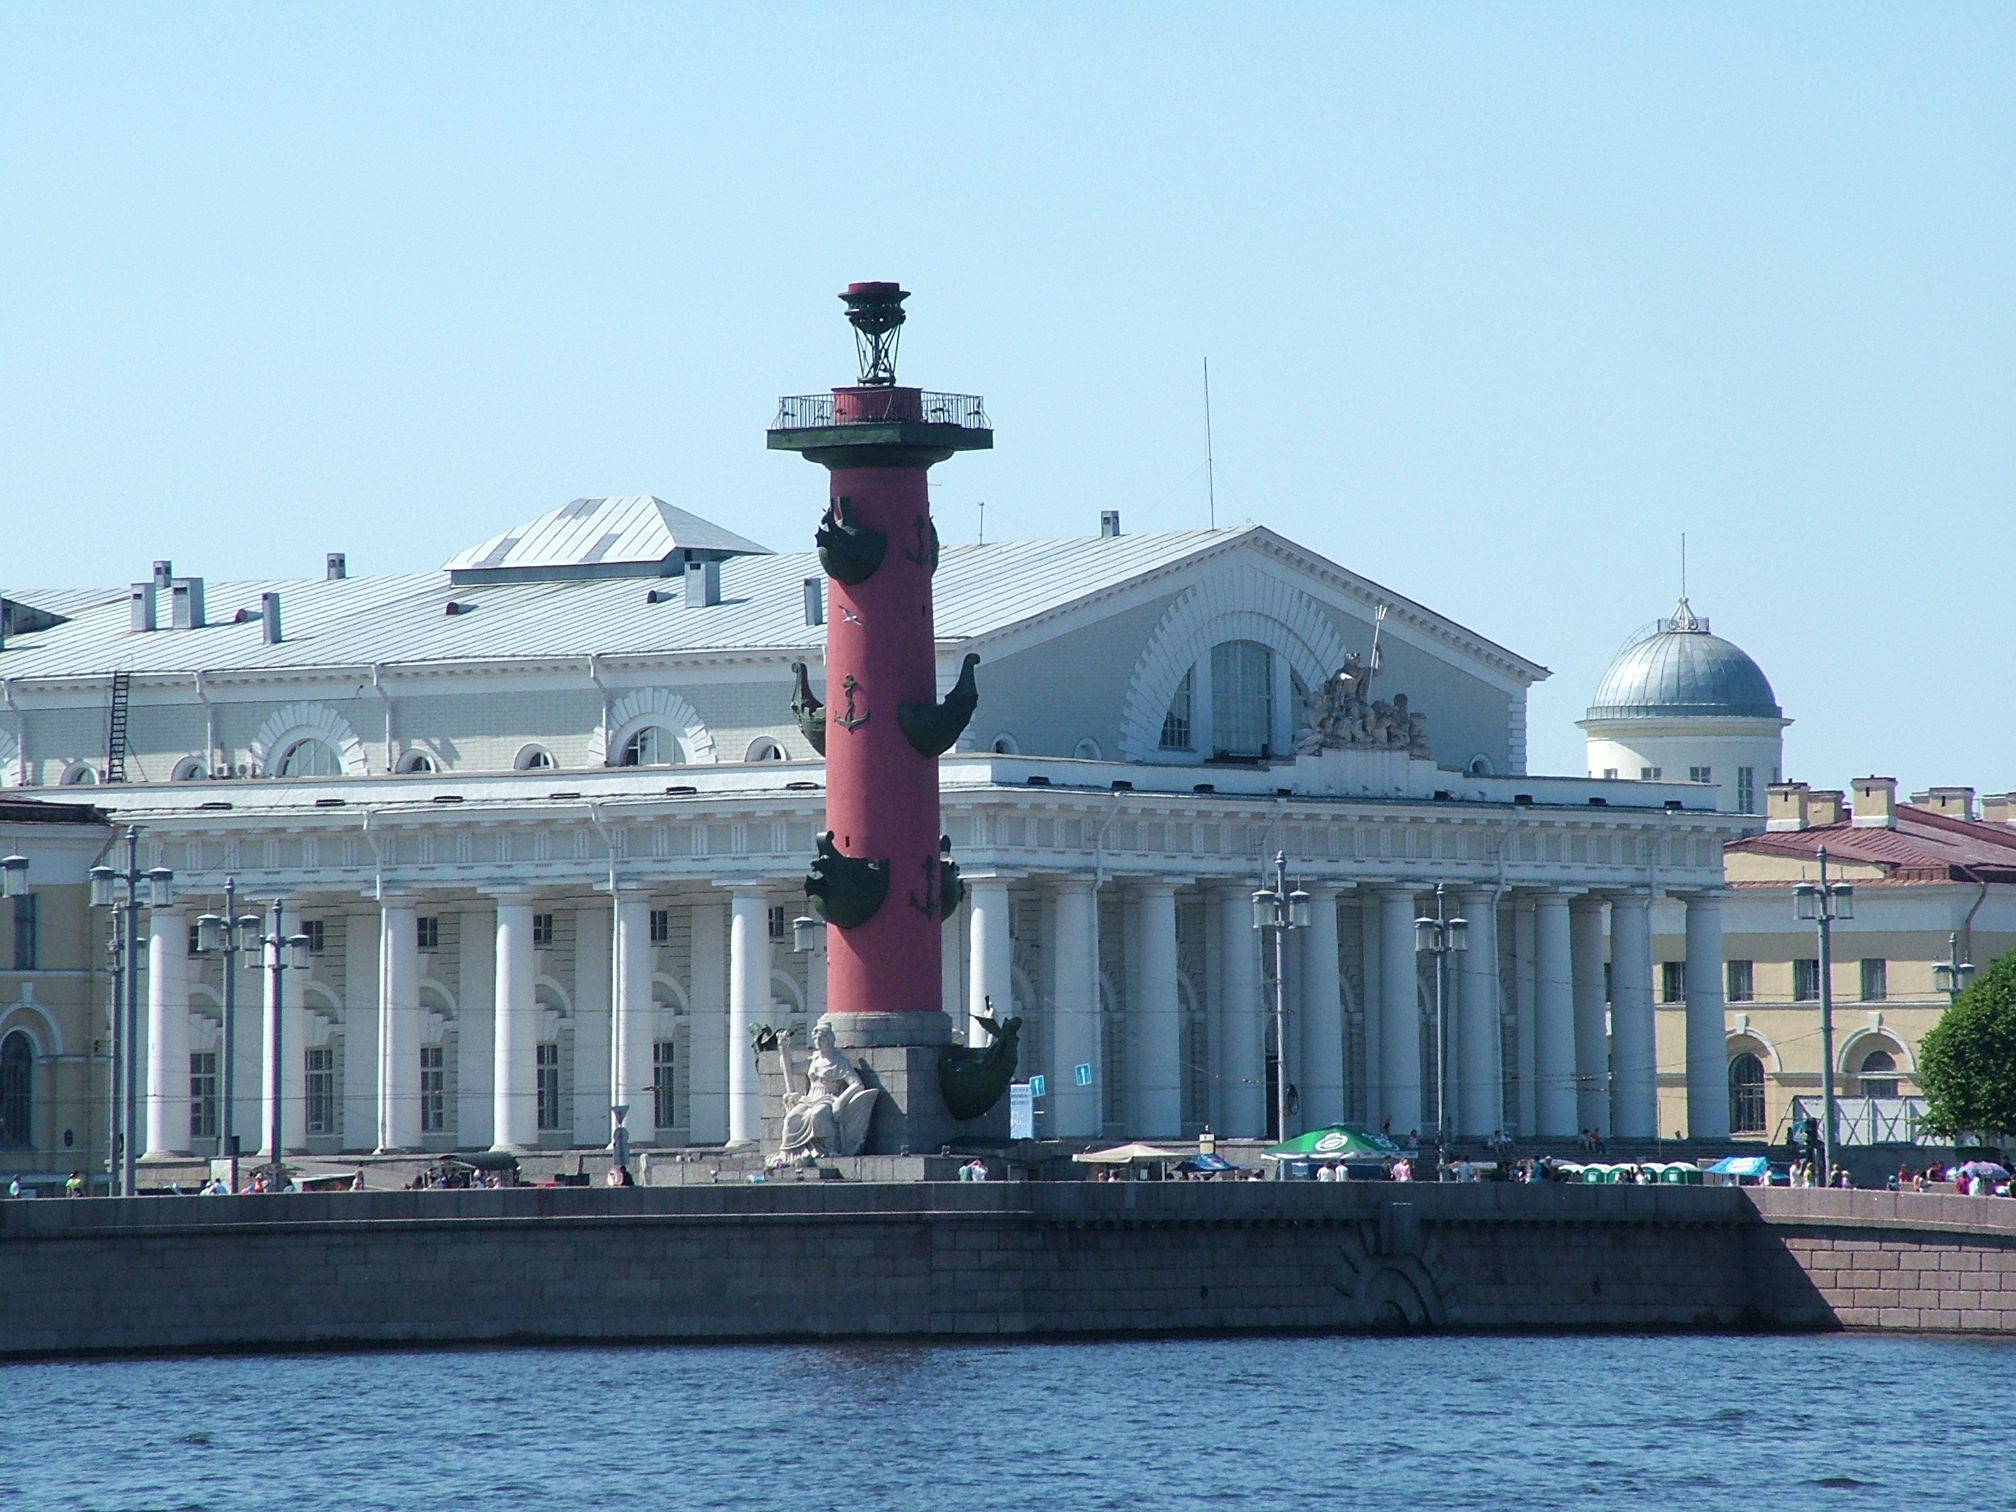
(1967, 1061)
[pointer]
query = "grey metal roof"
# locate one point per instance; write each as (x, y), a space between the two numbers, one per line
(1683, 671)
(401, 619)
(632, 529)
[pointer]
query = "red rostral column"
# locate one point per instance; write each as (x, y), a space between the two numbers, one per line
(880, 881)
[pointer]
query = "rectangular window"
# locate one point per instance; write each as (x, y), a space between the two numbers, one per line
(661, 925)
(664, 1112)
(1609, 774)
(1242, 698)
(203, 1094)
(317, 935)
(549, 1081)
(1742, 981)
(195, 938)
(434, 1090)
(427, 931)
(1746, 790)
(1672, 981)
(319, 1064)
(542, 931)
(1176, 723)
(1875, 979)
(1806, 980)
(1650, 774)
(780, 922)
(27, 931)
(1700, 774)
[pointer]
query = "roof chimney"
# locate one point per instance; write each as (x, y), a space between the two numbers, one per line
(1109, 523)
(1998, 808)
(1824, 807)
(335, 566)
(1875, 803)
(703, 584)
(815, 601)
(188, 610)
(164, 572)
(269, 612)
(1957, 802)
(143, 607)
(1785, 806)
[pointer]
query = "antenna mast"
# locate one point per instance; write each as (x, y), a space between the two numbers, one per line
(1210, 471)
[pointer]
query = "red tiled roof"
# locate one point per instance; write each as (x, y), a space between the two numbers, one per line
(1924, 847)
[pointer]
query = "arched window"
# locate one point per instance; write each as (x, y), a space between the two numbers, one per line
(310, 758)
(652, 745)
(1176, 723)
(1088, 749)
(1480, 765)
(190, 769)
(1879, 1074)
(1005, 745)
(80, 774)
(17, 1090)
(416, 761)
(1746, 1094)
(534, 759)
(764, 749)
(1242, 699)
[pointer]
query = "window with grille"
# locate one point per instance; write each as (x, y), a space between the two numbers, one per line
(1672, 981)
(203, 1094)
(319, 1064)
(549, 1082)
(1742, 986)
(661, 925)
(427, 932)
(434, 1090)
(779, 923)
(1242, 698)
(542, 931)
(1875, 979)
(195, 938)
(1746, 1094)
(664, 1064)
(1650, 774)
(27, 930)
(1700, 774)
(1806, 980)
(317, 935)
(1746, 790)
(1176, 723)
(17, 1090)
(1879, 1074)
(654, 745)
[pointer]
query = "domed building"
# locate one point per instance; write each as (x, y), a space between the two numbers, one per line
(1681, 704)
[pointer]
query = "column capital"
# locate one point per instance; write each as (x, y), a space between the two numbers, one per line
(748, 884)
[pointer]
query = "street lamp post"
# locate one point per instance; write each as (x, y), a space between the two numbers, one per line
(1276, 908)
(1439, 937)
(105, 893)
(1952, 974)
(284, 953)
(1822, 903)
(229, 935)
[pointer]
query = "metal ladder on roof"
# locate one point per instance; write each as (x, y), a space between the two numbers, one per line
(115, 731)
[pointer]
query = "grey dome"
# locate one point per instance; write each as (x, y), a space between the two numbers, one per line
(1683, 671)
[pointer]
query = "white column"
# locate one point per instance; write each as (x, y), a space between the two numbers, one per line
(1243, 1016)
(1592, 1029)
(398, 1025)
(513, 1079)
(593, 1010)
(287, 1081)
(167, 1117)
(990, 956)
(1158, 1017)
(1322, 1072)
(748, 1003)
(476, 1032)
(1707, 1057)
(636, 1015)
(1554, 1018)
(1373, 1106)
(1634, 1055)
(952, 975)
(1075, 1112)
(1478, 1096)
(1527, 1119)
(707, 1006)
(1399, 1011)
(361, 948)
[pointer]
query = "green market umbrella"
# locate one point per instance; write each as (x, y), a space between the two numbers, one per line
(1335, 1142)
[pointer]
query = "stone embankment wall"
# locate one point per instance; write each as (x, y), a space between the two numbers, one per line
(951, 1260)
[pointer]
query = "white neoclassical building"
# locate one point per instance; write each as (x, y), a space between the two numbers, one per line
(543, 816)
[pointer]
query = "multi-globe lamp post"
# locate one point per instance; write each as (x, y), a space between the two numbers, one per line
(229, 935)
(284, 953)
(1952, 975)
(1821, 903)
(1276, 910)
(106, 892)
(1441, 937)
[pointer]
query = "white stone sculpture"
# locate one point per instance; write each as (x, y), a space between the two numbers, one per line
(830, 1115)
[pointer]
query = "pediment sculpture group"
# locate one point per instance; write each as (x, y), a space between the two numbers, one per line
(1341, 714)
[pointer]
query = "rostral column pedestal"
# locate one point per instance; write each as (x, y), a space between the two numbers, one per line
(883, 881)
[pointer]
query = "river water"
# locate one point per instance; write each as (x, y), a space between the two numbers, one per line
(1417, 1422)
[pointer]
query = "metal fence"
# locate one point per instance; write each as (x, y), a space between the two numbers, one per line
(1870, 1120)
(815, 411)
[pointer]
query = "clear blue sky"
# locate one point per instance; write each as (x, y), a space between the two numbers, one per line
(1498, 300)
